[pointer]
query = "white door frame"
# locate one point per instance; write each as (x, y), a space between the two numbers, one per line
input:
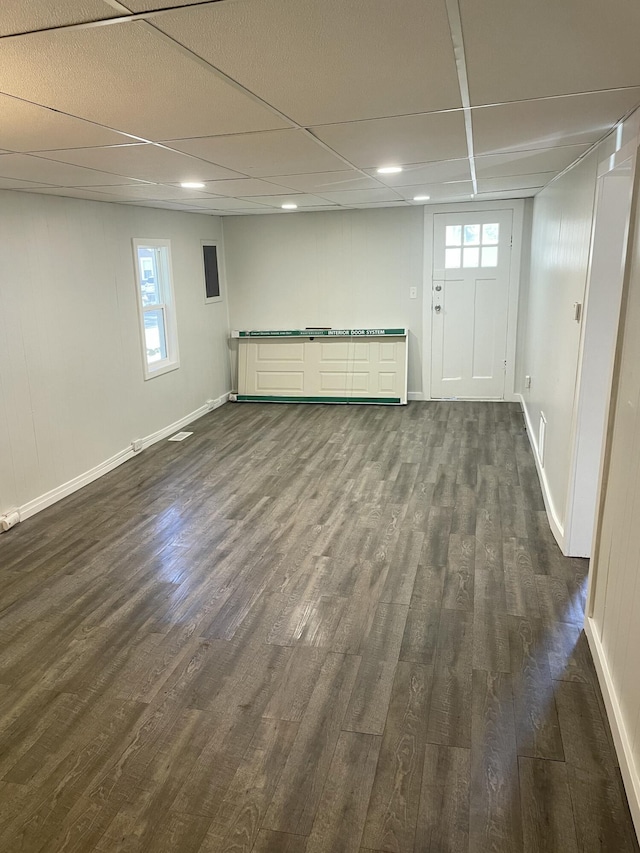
(517, 208)
(591, 404)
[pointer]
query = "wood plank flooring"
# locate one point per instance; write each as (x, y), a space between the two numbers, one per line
(305, 629)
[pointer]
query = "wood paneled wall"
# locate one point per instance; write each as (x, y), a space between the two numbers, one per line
(614, 610)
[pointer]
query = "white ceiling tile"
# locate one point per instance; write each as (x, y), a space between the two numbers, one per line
(573, 120)
(300, 199)
(215, 212)
(244, 187)
(224, 204)
(380, 204)
(277, 211)
(253, 211)
(330, 61)
(277, 152)
(528, 162)
(151, 5)
(162, 204)
(322, 182)
(507, 194)
(16, 184)
(361, 196)
(428, 173)
(516, 182)
(72, 192)
(438, 192)
(160, 192)
(128, 77)
(27, 167)
(28, 127)
(315, 209)
(407, 139)
(531, 50)
(143, 161)
(20, 16)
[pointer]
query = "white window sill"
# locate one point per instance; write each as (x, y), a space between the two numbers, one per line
(163, 367)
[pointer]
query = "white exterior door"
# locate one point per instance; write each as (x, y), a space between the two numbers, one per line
(470, 304)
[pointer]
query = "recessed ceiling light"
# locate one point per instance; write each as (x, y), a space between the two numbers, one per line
(421, 197)
(389, 170)
(289, 205)
(192, 185)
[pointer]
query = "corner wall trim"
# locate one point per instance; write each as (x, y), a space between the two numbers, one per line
(628, 769)
(415, 395)
(48, 498)
(554, 522)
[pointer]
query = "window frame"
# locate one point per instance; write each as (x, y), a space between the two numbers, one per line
(167, 305)
(221, 279)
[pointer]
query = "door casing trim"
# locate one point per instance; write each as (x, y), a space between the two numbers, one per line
(516, 206)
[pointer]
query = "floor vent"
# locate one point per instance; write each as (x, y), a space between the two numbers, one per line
(180, 436)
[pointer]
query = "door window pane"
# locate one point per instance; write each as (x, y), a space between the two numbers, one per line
(471, 235)
(490, 234)
(452, 259)
(471, 257)
(453, 236)
(154, 335)
(489, 256)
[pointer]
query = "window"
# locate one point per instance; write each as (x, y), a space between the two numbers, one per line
(471, 246)
(212, 267)
(156, 306)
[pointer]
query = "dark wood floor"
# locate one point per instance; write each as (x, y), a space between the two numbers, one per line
(305, 629)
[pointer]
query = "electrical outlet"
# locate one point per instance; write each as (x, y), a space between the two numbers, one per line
(211, 404)
(413, 293)
(136, 444)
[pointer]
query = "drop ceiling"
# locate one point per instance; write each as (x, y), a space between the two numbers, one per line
(265, 102)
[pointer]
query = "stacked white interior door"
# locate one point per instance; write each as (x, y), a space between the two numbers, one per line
(310, 368)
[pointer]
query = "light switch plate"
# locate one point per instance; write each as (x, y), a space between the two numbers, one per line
(413, 293)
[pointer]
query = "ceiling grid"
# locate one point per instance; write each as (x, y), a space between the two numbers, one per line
(263, 102)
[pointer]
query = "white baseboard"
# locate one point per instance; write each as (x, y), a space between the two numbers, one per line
(51, 497)
(628, 769)
(62, 491)
(557, 528)
(415, 395)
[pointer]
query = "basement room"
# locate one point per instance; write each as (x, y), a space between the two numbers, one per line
(319, 426)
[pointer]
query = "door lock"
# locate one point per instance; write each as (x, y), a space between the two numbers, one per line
(438, 287)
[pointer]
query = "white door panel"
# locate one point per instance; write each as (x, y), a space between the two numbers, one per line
(470, 304)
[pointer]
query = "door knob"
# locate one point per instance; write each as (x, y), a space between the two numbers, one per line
(437, 309)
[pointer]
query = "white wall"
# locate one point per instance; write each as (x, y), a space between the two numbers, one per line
(72, 393)
(549, 339)
(599, 333)
(344, 269)
(613, 623)
(562, 220)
